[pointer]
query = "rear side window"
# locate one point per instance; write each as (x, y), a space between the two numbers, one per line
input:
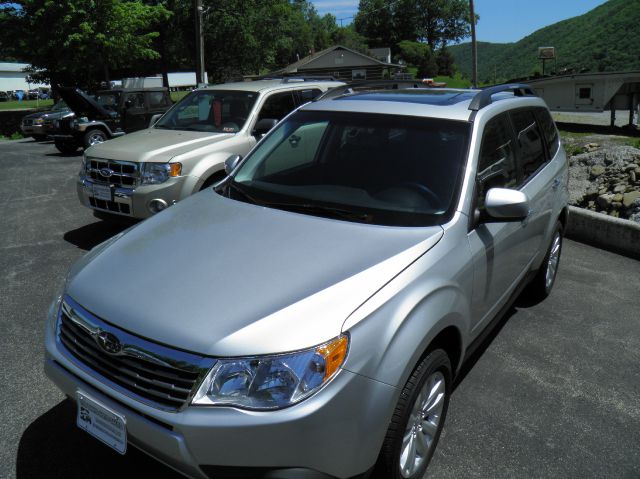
(497, 165)
(309, 95)
(158, 99)
(277, 106)
(549, 130)
(531, 146)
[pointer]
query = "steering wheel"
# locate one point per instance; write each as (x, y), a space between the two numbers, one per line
(424, 190)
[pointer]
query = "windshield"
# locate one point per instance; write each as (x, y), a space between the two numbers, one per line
(215, 111)
(108, 100)
(380, 169)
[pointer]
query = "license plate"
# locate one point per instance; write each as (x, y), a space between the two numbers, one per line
(102, 192)
(102, 423)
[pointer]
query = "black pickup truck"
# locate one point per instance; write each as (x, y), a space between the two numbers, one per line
(108, 114)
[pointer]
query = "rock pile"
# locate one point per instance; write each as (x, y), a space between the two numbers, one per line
(606, 180)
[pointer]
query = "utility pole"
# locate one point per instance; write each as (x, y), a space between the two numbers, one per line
(199, 43)
(474, 48)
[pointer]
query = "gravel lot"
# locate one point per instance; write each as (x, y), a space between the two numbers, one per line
(555, 393)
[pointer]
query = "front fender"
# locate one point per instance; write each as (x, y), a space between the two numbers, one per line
(391, 332)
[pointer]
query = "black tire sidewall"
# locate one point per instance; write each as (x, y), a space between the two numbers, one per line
(436, 360)
(91, 132)
(545, 265)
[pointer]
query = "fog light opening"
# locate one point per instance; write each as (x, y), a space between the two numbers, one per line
(157, 205)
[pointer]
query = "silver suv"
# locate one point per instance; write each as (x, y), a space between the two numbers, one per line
(144, 172)
(306, 317)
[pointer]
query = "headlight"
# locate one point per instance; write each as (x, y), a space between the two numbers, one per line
(54, 307)
(38, 121)
(272, 382)
(156, 173)
(83, 166)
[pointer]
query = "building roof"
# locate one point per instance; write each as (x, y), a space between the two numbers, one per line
(13, 67)
(293, 68)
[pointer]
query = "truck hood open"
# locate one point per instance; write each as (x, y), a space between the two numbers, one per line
(154, 144)
(83, 105)
(220, 277)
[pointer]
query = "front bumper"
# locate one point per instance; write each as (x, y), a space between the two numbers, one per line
(133, 202)
(336, 433)
(28, 130)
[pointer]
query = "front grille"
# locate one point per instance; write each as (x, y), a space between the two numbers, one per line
(110, 206)
(119, 173)
(139, 368)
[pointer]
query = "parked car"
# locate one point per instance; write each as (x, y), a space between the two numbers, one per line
(39, 125)
(142, 173)
(110, 114)
(4, 96)
(307, 316)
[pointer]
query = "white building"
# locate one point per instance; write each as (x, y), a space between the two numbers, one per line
(13, 77)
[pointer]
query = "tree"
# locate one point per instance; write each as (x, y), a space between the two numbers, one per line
(419, 55)
(446, 64)
(436, 22)
(439, 22)
(91, 38)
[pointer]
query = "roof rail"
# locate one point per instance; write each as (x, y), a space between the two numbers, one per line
(367, 85)
(483, 97)
(303, 78)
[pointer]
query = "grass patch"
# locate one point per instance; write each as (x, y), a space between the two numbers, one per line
(14, 136)
(25, 104)
(178, 95)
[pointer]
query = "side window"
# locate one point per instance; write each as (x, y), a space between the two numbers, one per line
(496, 165)
(136, 99)
(531, 147)
(549, 130)
(157, 99)
(298, 149)
(308, 95)
(277, 106)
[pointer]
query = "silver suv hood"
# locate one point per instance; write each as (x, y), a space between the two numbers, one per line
(225, 278)
(154, 144)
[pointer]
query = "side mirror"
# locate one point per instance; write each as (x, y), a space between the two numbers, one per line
(503, 204)
(231, 163)
(154, 119)
(263, 126)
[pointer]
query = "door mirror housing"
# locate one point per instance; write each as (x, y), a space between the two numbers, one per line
(264, 125)
(154, 119)
(231, 163)
(503, 204)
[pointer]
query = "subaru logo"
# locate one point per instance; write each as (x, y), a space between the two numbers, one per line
(106, 172)
(108, 342)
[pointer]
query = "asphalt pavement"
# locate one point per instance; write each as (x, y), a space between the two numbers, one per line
(553, 393)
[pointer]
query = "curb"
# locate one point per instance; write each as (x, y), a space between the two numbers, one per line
(605, 232)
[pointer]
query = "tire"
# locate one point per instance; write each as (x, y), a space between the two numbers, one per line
(542, 283)
(428, 388)
(94, 137)
(68, 147)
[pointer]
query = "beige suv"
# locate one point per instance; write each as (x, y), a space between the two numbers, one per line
(144, 172)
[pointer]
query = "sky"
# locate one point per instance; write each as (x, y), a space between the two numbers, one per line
(501, 21)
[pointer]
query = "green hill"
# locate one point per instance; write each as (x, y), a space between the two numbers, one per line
(603, 39)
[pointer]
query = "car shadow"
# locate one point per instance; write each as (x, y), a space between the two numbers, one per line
(65, 155)
(54, 444)
(88, 236)
(484, 344)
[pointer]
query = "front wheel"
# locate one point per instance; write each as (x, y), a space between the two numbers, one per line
(94, 137)
(418, 419)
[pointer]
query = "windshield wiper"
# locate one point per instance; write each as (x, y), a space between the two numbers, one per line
(311, 208)
(323, 210)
